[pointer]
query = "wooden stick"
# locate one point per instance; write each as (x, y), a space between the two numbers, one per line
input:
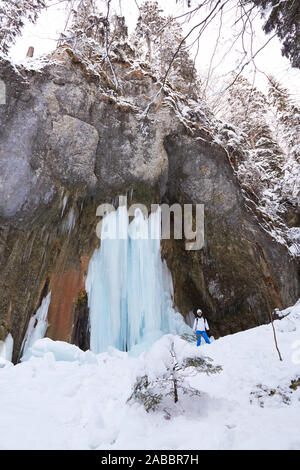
(275, 338)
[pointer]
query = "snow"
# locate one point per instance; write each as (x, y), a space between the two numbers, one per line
(64, 398)
(59, 351)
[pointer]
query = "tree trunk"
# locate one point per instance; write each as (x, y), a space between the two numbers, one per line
(275, 338)
(175, 389)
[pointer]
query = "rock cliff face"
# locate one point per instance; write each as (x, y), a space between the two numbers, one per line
(68, 144)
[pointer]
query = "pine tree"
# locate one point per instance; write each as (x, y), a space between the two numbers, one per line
(288, 115)
(284, 18)
(119, 29)
(119, 46)
(249, 112)
(13, 14)
(88, 30)
(253, 148)
(149, 25)
(264, 157)
(171, 389)
(182, 72)
(98, 40)
(157, 39)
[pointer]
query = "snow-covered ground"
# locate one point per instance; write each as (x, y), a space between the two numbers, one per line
(81, 402)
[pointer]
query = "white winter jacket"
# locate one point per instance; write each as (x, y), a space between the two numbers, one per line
(200, 324)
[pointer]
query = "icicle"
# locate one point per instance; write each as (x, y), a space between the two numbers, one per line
(167, 280)
(129, 288)
(37, 327)
(64, 203)
(190, 318)
(6, 348)
(130, 194)
(69, 222)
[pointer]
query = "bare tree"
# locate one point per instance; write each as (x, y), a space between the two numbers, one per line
(275, 337)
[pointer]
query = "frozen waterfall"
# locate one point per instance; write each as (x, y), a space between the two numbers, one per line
(129, 287)
(37, 327)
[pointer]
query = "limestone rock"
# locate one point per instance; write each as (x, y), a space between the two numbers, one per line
(72, 152)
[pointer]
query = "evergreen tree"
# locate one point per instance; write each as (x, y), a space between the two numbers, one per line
(157, 39)
(249, 112)
(288, 115)
(118, 45)
(119, 29)
(88, 30)
(253, 148)
(149, 25)
(171, 391)
(13, 14)
(97, 39)
(284, 18)
(264, 150)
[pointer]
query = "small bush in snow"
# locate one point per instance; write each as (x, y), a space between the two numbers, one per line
(143, 392)
(202, 364)
(170, 392)
(266, 396)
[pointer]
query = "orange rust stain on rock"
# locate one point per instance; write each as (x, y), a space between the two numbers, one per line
(65, 286)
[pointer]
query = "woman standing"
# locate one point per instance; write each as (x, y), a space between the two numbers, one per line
(200, 325)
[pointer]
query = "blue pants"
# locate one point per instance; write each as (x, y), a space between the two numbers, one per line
(199, 334)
